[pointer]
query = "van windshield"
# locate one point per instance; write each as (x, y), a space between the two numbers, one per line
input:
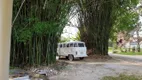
(80, 45)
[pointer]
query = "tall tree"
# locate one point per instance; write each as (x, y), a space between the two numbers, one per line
(97, 20)
(126, 20)
(37, 26)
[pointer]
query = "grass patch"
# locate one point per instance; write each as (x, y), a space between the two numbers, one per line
(131, 53)
(122, 51)
(122, 77)
(110, 49)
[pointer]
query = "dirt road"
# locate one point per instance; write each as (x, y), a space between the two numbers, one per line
(89, 69)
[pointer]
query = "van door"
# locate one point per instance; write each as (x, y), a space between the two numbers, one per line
(64, 50)
(68, 49)
(81, 48)
(71, 48)
(75, 49)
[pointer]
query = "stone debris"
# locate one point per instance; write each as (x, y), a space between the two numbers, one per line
(32, 74)
(18, 74)
(45, 71)
(21, 78)
(40, 73)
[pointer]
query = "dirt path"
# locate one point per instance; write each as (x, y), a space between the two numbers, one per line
(89, 69)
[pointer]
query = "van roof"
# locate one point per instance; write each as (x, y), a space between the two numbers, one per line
(72, 42)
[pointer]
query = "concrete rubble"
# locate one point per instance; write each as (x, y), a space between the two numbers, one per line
(33, 74)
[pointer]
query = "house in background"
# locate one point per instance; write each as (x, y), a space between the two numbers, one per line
(131, 42)
(135, 38)
(137, 32)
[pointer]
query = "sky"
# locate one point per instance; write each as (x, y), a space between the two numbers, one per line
(71, 30)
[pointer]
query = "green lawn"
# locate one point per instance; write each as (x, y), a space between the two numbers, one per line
(123, 77)
(131, 53)
(110, 49)
(118, 51)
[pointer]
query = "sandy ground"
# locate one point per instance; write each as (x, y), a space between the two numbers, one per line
(90, 69)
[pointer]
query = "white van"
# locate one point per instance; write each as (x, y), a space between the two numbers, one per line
(72, 50)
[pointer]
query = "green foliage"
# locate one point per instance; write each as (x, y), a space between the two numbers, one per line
(122, 77)
(37, 30)
(24, 35)
(125, 17)
(77, 37)
(110, 49)
(127, 21)
(43, 28)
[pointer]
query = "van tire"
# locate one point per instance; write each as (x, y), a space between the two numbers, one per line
(66, 57)
(81, 58)
(70, 57)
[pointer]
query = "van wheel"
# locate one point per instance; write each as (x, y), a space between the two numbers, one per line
(71, 57)
(66, 57)
(81, 58)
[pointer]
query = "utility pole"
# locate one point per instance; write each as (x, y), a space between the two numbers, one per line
(5, 36)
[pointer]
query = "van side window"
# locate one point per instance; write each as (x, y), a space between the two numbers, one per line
(80, 44)
(67, 45)
(71, 45)
(75, 44)
(60, 45)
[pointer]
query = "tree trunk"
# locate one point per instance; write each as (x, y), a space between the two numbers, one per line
(97, 25)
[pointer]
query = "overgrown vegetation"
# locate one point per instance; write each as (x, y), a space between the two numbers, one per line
(36, 30)
(38, 24)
